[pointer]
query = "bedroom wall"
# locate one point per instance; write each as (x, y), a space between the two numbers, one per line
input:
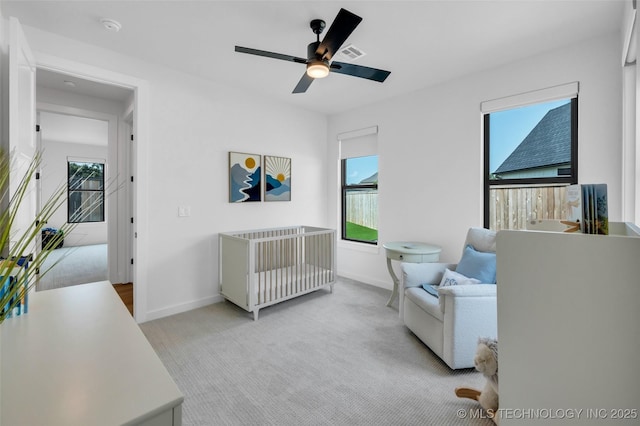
(194, 124)
(430, 149)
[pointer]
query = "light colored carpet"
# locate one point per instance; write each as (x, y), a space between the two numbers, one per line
(322, 359)
(75, 265)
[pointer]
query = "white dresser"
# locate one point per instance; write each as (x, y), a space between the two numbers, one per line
(79, 358)
(568, 318)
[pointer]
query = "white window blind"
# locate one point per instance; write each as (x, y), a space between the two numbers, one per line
(359, 143)
(564, 91)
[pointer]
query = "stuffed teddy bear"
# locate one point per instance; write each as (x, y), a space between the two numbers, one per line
(486, 362)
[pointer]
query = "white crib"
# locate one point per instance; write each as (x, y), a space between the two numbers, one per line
(262, 267)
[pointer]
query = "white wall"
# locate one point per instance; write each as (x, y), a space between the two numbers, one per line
(430, 149)
(194, 124)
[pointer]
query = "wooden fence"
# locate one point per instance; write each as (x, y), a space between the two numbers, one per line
(511, 208)
(362, 208)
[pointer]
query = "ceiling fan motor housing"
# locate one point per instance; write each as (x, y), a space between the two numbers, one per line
(311, 50)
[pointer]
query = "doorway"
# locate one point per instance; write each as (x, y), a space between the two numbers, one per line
(87, 122)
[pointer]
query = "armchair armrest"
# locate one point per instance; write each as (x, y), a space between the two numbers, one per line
(469, 290)
(416, 274)
(470, 311)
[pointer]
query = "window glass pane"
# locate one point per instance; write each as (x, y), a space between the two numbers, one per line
(531, 142)
(360, 195)
(531, 154)
(361, 215)
(86, 192)
(88, 176)
(362, 170)
(514, 207)
(86, 206)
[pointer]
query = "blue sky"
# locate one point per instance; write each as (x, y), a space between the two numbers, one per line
(361, 168)
(508, 128)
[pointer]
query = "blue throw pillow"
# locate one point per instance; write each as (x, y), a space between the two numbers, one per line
(479, 265)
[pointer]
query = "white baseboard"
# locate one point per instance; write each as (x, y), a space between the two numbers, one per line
(182, 307)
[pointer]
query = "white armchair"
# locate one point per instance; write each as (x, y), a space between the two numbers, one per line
(452, 323)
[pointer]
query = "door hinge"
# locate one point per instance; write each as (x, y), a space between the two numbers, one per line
(132, 260)
(131, 138)
(37, 175)
(131, 220)
(37, 127)
(131, 178)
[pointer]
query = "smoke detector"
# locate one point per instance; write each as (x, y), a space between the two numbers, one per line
(111, 24)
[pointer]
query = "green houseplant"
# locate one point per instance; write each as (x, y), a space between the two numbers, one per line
(21, 263)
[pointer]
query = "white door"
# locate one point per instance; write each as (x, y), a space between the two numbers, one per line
(22, 122)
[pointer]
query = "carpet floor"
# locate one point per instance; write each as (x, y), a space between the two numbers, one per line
(73, 265)
(340, 358)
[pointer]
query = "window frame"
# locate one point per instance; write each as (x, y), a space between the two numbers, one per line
(100, 191)
(344, 189)
(527, 182)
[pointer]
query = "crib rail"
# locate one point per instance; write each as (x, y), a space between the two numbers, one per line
(280, 263)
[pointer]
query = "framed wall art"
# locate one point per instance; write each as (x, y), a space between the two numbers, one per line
(277, 178)
(245, 177)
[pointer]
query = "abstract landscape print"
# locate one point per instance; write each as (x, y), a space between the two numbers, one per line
(277, 178)
(244, 177)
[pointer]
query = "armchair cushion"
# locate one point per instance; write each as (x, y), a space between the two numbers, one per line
(417, 274)
(425, 301)
(481, 239)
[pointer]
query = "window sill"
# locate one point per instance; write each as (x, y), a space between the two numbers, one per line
(363, 247)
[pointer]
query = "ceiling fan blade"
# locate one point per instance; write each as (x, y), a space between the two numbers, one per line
(270, 54)
(303, 84)
(338, 32)
(360, 71)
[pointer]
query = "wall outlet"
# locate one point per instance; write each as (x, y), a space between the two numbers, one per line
(184, 211)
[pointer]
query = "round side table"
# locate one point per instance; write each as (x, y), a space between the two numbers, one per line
(411, 252)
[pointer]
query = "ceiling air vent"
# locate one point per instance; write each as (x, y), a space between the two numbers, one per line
(352, 52)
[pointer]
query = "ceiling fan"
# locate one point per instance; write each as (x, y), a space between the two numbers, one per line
(319, 53)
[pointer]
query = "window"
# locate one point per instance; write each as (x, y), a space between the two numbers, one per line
(85, 192)
(359, 185)
(531, 155)
(360, 199)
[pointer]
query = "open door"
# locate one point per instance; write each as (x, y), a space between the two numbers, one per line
(22, 121)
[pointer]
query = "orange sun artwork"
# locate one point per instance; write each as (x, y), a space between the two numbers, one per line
(277, 173)
(245, 177)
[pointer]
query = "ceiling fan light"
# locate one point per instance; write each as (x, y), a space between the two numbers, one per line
(317, 69)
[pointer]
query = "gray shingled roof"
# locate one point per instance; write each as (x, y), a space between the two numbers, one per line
(371, 179)
(549, 143)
